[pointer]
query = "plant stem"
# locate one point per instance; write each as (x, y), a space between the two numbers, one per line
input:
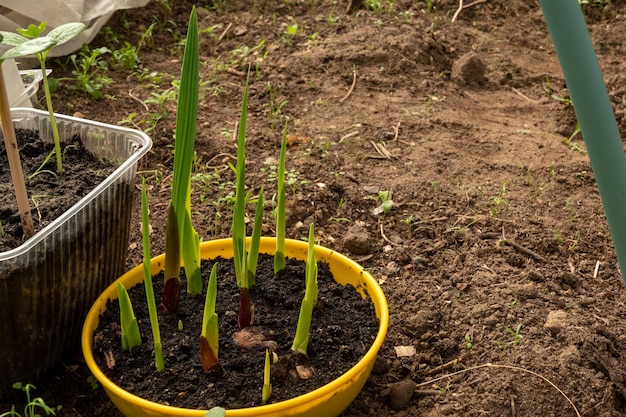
(13, 154)
(53, 122)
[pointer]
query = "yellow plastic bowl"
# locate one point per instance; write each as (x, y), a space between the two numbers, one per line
(328, 401)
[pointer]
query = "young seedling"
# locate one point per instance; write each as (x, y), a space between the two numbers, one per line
(240, 256)
(130, 328)
(266, 392)
(147, 280)
(209, 338)
(517, 338)
(32, 404)
(8, 131)
(386, 203)
(279, 254)
(301, 340)
(25, 42)
(181, 236)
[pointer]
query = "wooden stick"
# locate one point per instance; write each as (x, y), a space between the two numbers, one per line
(13, 154)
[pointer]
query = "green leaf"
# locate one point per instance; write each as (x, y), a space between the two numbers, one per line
(255, 241)
(191, 257)
(147, 280)
(239, 227)
(279, 255)
(33, 31)
(209, 338)
(186, 120)
(66, 32)
(30, 47)
(12, 39)
(130, 328)
(301, 339)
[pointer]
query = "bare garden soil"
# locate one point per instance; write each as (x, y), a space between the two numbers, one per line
(496, 249)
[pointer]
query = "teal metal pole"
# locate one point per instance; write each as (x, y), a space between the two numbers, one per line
(593, 108)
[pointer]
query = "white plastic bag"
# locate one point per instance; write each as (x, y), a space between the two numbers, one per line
(93, 13)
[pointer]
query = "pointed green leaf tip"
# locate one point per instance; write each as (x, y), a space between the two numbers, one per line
(266, 392)
(301, 339)
(209, 338)
(130, 328)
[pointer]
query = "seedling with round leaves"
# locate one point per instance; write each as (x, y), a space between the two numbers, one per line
(31, 41)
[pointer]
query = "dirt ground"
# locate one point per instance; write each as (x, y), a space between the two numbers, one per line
(496, 249)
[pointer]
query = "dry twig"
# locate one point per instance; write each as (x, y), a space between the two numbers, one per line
(461, 7)
(351, 87)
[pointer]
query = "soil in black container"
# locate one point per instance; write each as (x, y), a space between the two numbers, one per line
(343, 328)
(50, 195)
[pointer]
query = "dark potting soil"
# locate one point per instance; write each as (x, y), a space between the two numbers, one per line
(49, 195)
(343, 328)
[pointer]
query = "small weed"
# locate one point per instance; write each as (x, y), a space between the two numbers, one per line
(317, 148)
(574, 241)
(89, 71)
(93, 382)
(275, 106)
(291, 33)
(468, 342)
(514, 342)
(386, 203)
(558, 237)
(499, 202)
(569, 207)
(434, 189)
(34, 406)
(379, 6)
(430, 6)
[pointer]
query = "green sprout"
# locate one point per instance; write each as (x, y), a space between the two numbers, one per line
(301, 340)
(147, 280)
(130, 328)
(516, 338)
(32, 404)
(279, 254)
(255, 242)
(209, 338)
(386, 203)
(240, 257)
(266, 392)
(181, 236)
(30, 41)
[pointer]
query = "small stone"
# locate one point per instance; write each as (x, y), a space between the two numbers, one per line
(556, 321)
(401, 393)
(357, 241)
(570, 356)
(469, 70)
